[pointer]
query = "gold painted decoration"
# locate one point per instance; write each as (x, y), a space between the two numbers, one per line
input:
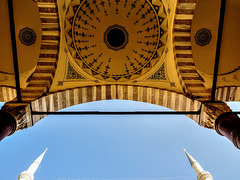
(159, 74)
(116, 40)
(72, 73)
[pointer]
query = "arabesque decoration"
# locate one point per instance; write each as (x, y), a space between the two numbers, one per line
(93, 29)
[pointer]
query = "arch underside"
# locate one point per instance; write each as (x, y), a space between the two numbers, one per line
(41, 79)
(7, 94)
(228, 93)
(60, 100)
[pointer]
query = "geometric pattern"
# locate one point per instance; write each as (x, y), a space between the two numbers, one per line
(27, 36)
(124, 37)
(144, 22)
(203, 37)
(72, 73)
(159, 74)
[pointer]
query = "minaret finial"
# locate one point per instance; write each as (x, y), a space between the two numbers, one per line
(29, 174)
(190, 158)
(202, 175)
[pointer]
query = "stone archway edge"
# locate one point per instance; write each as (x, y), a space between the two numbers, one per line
(178, 102)
(189, 78)
(60, 100)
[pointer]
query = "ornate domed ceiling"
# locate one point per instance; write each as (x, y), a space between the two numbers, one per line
(116, 40)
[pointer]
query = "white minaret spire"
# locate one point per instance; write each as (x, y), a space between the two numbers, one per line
(29, 174)
(201, 174)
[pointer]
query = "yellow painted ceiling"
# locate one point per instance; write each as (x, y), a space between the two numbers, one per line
(28, 32)
(116, 40)
(87, 57)
(205, 26)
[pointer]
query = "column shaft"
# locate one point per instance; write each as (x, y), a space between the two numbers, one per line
(7, 124)
(228, 125)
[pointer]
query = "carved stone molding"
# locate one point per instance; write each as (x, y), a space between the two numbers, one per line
(21, 112)
(210, 112)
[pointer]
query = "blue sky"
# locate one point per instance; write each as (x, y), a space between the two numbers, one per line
(118, 146)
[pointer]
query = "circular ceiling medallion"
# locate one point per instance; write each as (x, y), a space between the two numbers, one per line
(27, 36)
(116, 39)
(203, 37)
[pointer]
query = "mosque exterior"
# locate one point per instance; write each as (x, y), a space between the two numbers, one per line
(29, 173)
(201, 174)
(179, 54)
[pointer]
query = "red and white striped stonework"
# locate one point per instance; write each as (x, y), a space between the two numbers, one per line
(187, 73)
(64, 99)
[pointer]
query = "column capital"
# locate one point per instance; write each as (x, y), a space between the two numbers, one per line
(210, 111)
(21, 112)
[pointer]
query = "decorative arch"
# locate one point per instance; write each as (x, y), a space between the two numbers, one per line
(60, 100)
(41, 79)
(189, 78)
